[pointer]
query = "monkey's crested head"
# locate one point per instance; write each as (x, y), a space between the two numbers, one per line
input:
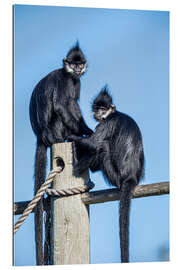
(103, 99)
(76, 55)
(75, 62)
(102, 105)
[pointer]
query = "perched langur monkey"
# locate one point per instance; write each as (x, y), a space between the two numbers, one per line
(116, 149)
(54, 115)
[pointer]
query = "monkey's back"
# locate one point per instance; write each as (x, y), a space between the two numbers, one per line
(126, 146)
(42, 93)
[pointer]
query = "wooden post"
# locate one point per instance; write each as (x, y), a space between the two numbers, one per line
(70, 216)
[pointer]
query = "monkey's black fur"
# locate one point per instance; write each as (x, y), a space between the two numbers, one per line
(116, 149)
(54, 115)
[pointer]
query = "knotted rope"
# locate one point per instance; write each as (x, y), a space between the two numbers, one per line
(44, 188)
(70, 191)
(37, 197)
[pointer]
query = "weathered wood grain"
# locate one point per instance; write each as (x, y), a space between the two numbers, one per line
(70, 216)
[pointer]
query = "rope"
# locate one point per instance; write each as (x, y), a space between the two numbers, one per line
(37, 197)
(44, 188)
(70, 191)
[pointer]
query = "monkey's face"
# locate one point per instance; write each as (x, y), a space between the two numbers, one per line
(76, 68)
(101, 113)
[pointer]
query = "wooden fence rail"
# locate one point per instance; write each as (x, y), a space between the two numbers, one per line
(107, 195)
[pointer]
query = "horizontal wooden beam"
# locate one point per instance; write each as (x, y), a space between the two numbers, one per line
(19, 207)
(107, 195)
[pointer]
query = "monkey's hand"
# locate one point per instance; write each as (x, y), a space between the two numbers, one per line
(84, 129)
(74, 138)
(89, 132)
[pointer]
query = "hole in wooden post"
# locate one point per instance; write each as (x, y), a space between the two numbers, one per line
(60, 162)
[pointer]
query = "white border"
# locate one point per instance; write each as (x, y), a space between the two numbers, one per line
(6, 121)
(129, 4)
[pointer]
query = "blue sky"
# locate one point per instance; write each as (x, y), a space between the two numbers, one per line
(128, 50)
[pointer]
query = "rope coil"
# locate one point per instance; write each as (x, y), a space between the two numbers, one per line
(70, 191)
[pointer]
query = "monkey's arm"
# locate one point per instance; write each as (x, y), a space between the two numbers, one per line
(84, 128)
(62, 111)
(68, 111)
(75, 112)
(95, 142)
(85, 143)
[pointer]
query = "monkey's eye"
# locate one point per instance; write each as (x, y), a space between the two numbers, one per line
(102, 109)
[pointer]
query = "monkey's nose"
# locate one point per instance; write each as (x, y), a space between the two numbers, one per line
(78, 69)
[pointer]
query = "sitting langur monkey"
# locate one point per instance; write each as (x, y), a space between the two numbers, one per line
(54, 115)
(116, 149)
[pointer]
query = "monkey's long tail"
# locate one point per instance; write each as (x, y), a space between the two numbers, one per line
(125, 203)
(40, 174)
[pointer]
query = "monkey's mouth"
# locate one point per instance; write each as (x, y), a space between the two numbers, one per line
(97, 117)
(79, 72)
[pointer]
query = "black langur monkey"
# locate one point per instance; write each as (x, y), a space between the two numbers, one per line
(116, 149)
(54, 115)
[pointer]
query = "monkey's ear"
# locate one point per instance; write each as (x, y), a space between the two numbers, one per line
(64, 60)
(113, 107)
